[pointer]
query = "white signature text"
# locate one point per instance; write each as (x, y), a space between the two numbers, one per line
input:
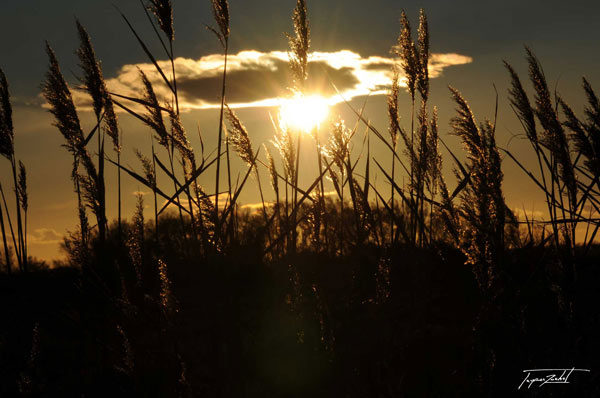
(540, 377)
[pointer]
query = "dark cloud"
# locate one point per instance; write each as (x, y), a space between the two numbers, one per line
(44, 236)
(262, 82)
(378, 66)
(257, 78)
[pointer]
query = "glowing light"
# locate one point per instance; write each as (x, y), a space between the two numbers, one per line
(303, 113)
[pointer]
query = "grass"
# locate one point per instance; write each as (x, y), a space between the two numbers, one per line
(360, 293)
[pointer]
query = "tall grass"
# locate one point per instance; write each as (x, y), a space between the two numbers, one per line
(360, 226)
(7, 149)
(566, 149)
(474, 212)
(567, 184)
(221, 13)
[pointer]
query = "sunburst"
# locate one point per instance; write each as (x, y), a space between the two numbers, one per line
(303, 112)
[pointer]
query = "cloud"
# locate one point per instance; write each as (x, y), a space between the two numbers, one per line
(44, 236)
(35, 102)
(185, 203)
(257, 78)
(223, 199)
(256, 206)
(68, 204)
(530, 214)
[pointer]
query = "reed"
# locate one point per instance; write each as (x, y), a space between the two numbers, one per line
(240, 142)
(284, 142)
(299, 46)
(209, 272)
(338, 150)
(410, 64)
(221, 14)
(566, 183)
(14, 238)
(163, 12)
(394, 130)
(135, 242)
(94, 85)
(7, 149)
(24, 202)
(414, 62)
(298, 63)
(7, 256)
(57, 93)
(483, 207)
(149, 169)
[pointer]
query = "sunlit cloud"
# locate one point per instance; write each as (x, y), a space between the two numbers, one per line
(44, 236)
(185, 203)
(529, 214)
(261, 79)
(538, 215)
(256, 208)
(64, 205)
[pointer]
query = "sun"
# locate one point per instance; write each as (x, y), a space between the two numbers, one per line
(303, 113)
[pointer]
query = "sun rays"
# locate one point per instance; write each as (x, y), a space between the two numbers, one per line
(303, 112)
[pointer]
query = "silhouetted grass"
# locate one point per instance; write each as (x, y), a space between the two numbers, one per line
(426, 291)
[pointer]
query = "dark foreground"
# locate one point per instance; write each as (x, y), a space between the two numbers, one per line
(413, 326)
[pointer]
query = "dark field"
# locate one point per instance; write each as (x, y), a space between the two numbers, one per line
(308, 325)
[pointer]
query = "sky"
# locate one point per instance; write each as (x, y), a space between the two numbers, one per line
(351, 42)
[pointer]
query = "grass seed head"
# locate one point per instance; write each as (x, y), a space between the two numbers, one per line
(285, 144)
(520, 103)
(92, 79)
(6, 123)
(338, 148)
(57, 93)
(154, 117)
(148, 168)
(111, 124)
(22, 187)
(299, 45)
(272, 170)
(554, 136)
(408, 55)
(238, 137)
(179, 137)
(221, 14)
(392, 101)
(163, 11)
(423, 40)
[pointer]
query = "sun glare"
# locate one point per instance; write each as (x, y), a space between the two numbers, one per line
(303, 113)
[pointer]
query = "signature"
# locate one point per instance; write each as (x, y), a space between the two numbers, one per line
(548, 376)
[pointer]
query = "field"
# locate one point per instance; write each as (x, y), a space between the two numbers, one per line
(379, 277)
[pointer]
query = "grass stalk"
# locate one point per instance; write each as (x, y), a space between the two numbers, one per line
(322, 209)
(295, 208)
(4, 241)
(20, 237)
(119, 216)
(219, 143)
(12, 232)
